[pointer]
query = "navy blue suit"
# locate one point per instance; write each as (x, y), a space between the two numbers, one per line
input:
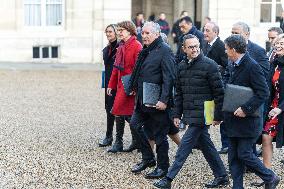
(243, 132)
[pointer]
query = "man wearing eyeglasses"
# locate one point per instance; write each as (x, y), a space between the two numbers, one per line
(198, 80)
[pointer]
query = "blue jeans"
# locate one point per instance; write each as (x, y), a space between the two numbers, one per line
(197, 136)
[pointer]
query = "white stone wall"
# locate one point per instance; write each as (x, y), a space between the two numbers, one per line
(80, 38)
(226, 13)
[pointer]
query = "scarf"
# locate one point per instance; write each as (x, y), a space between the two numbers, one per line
(120, 53)
(133, 82)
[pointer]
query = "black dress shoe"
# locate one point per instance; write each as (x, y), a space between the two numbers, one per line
(105, 142)
(157, 173)
(143, 165)
(164, 183)
(220, 181)
(223, 150)
(273, 183)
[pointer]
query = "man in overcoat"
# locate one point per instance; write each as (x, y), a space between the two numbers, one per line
(155, 64)
(242, 127)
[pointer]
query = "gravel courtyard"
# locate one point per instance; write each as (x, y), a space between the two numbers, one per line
(50, 123)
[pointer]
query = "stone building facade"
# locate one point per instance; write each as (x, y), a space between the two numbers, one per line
(72, 31)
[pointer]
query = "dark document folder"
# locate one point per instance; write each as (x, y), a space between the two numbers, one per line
(236, 96)
(151, 94)
(125, 82)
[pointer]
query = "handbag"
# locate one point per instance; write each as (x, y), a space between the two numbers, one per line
(103, 78)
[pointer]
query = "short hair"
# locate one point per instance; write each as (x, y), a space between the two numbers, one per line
(182, 12)
(276, 29)
(129, 26)
(244, 26)
(187, 19)
(138, 13)
(236, 42)
(113, 26)
(215, 27)
(155, 27)
(208, 18)
(189, 36)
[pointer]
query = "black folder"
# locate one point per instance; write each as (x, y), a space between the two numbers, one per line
(236, 96)
(151, 94)
(125, 82)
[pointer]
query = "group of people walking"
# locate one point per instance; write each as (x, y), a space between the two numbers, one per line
(198, 72)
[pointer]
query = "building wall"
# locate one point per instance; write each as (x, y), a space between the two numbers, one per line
(80, 38)
(226, 13)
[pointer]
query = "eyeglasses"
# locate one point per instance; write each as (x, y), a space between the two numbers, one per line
(193, 46)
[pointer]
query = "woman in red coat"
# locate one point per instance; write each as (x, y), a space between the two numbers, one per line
(123, 106)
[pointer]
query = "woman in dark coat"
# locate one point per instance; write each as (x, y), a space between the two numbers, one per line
(109, 56)
(123, 106)
(273, 128)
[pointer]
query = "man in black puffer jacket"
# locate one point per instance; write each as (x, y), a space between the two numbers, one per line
(198, 80)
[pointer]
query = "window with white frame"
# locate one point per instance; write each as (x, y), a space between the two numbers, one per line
(43, 12)
(270, 11)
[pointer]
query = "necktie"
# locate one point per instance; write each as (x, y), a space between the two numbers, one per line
(207, 48)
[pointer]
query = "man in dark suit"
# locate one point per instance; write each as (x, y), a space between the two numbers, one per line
(198, 80)
(155, 64)
(258, 54)
(187, 27)
(242, 127)
(214, 48)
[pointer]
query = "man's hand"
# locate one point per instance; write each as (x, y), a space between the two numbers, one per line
(109, 91)
(216, 123)
(239, 112)
(161, 106)
(133, 93)
(274, 113)
(176, 122)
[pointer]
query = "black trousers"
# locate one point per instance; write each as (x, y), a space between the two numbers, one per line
(160, 131)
